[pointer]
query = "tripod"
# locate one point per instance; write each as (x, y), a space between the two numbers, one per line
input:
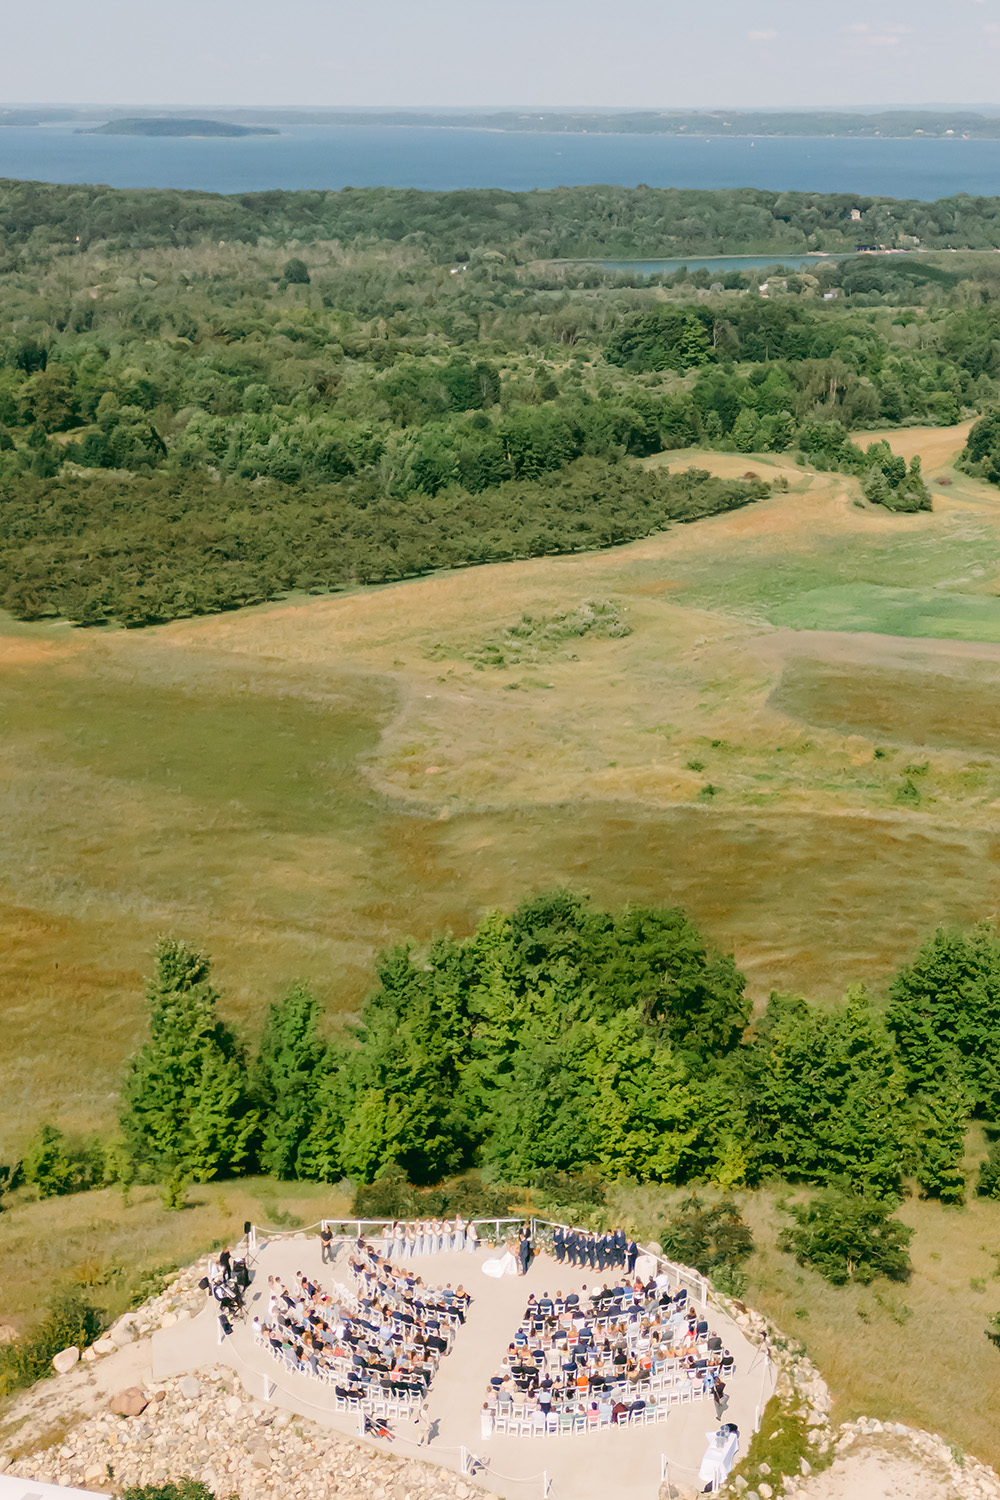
(763, 1353)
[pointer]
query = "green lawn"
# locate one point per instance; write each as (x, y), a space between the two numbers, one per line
(892, 611)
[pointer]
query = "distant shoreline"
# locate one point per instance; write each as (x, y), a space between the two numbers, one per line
(172, 126)
(166, 127)
(666, 135)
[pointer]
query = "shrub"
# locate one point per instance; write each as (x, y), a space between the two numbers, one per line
(569, 1187)
(69, 1319)
(174, 1489)
(393, 1196)
(149, 1282)
(56, 1164)
(849, 1237)
(11, 1177)
(782, 1442)
(572, 1197)
(711, 1237)
(390, 1196)
(471, 1198)
(988, 1181)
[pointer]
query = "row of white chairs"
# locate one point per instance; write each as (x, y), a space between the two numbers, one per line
(669, 1372)
(378, 1406)
(561, 1424)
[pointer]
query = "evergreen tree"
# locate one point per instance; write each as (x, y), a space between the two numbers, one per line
(48, 1165)
(694, 346)
(939, 1112)
(746, 431)
(406, 1076)
(541, 1113)
(875, 486)
(529, 1079)
(825, 1096)
(914, 487)
(286, 1076)
(944, 1014)
(187, 1104)
(708, 1236)
(646, 1117)
(693, 994)
(321, 1154)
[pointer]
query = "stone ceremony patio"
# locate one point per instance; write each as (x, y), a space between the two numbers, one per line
(624, 1463)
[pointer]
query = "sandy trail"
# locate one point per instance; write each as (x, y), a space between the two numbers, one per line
(880, 1475)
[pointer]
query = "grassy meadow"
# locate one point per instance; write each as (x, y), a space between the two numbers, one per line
(293, 786)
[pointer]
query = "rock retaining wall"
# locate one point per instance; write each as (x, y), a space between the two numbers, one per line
(207, 1427)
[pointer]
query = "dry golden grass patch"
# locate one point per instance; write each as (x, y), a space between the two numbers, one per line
(937, 447)
(914, 1353)
(99, 1239)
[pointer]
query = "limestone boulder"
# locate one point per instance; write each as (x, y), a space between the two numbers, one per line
(129, 1403)
(65, 1359)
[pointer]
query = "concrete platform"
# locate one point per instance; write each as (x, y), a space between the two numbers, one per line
(622, 1463)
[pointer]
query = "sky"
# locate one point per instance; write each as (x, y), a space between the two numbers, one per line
(485, 53)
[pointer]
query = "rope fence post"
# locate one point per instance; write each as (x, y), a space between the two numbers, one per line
(546, 1484)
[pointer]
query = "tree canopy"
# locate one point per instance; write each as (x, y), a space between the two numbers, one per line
(564, 1043)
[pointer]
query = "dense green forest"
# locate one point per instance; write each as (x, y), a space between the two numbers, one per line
(208, 401)
(540, 224)
(563, 1039)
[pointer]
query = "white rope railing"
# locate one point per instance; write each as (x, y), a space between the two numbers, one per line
(261, 1231)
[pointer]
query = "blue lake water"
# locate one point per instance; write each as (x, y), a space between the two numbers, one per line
(333, 156)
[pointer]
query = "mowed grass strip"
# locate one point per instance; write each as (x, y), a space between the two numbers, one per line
(892, 611)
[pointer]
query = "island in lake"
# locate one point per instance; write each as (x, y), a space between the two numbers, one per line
(176, 125)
